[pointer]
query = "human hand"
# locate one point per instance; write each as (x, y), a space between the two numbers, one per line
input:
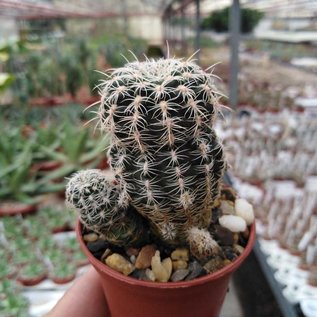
(85, 298)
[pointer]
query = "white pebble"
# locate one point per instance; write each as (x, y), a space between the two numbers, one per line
(227, 207)
(233, 223)
(245, 210)
(162, 269)
(150, 275)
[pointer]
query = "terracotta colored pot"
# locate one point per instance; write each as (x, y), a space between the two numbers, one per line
(62, 280)
(15, 208)
(201, 297)
(31, 281)
(46, 166)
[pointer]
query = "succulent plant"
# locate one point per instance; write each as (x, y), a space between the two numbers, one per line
(32, 270)
(103, 208)
(167, 159)
(164, 151)
(201, 243)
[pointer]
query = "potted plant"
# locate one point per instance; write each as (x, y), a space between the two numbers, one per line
(55, 218)
(56, 255)
(8, 286)
(23, 256)
(5, 254)
(47, 136)
(81, 152)
(70, 246)
(35, 227)
(63, 272)
(7, 271)
(19, 185)
(79, 258)
(32, 273)
(165, 205)
(15, 165)
(14, 305)
(47, 243)
(11, 227)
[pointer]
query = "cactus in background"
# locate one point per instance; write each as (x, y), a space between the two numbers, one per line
(164, 151)
(104, 209)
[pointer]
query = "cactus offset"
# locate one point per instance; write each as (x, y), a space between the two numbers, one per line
(164, 151)
(201, 244)
(104, 209)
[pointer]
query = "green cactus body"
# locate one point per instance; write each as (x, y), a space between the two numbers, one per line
(103, 208)
(165, 154)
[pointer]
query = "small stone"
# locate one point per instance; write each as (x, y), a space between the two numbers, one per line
(90, 237)
(226, 262)
(216, 203)
(214, 264)
(132, 251)
(238, 249)
(102, 237)
(230, 254)
(243, 238)
(144, 275)
(132, 259)
(179, 275)
(179, 264)
(105, 255)
(162, 270)
(97, 247)
(233, 223)
(227, 207)
(195, 270)
(144, 258)
(139, 275)
(224, 236)
(244, 210)
(119, 264)
(150, 275)
(180, 254)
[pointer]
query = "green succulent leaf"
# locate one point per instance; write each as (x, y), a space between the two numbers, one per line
(5, 81)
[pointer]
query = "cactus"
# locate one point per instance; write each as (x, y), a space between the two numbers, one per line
(166, 157)
(164, 151)
(104, 209)
(201, 244)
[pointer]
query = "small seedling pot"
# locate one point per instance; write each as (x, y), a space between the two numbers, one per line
(13, 209)
(32, 281)
(62, 280)
(127, 296)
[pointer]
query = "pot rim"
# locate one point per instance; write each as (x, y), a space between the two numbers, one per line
(228, 269)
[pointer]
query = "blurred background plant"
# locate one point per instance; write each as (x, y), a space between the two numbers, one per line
(61, 67)
(219, 20)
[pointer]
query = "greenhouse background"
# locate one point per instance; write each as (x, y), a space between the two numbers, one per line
(53, 55)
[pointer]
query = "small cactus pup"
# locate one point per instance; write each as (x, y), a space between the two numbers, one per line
(103, 208)
(164, 151)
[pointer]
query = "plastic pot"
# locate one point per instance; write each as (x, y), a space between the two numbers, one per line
(201, 297)
(31, 281)
(16, 208)
(62, 280)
